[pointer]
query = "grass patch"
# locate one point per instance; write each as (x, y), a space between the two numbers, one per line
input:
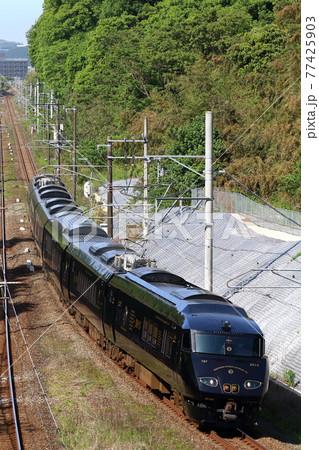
(93, 412)
(296, 256)
(121, 423)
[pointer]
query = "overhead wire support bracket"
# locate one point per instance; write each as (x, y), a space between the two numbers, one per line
(143, 141)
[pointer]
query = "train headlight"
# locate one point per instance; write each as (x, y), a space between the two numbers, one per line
(209, 381)
(252, 384)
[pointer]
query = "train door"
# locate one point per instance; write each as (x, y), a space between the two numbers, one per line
(109, 313)
(64, 275)
(47, 250)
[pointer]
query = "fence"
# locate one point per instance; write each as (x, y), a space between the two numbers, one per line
(280, 219)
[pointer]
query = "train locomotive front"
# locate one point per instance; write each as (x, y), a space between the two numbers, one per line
(223, 351)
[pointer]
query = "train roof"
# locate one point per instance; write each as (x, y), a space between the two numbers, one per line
(185, 304)
(166, 293)
(46, 179)
(203, 316)
(65, 207)
(79, 249)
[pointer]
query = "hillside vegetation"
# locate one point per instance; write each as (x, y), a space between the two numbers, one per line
(171, 60)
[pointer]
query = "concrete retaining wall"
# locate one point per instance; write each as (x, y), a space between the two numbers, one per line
(283, 399)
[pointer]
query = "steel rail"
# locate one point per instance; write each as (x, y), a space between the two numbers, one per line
(4, 289)
(250, 441)
(27, 172)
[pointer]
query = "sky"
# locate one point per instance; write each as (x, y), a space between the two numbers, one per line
(17, 17)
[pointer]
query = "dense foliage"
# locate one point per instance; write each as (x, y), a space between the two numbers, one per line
(170, 60)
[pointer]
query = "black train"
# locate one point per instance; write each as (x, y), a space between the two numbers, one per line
(188, 343)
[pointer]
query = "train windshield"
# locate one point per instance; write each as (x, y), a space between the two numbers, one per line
(213, 344)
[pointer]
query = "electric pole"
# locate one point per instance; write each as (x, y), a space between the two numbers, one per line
(209, 200)
(74, 153)
(74, 168)
(109, 188)
(144, 140)
(145, 205)
(57, 148)
(48, 133)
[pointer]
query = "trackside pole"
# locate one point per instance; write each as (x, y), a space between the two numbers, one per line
(145, 202)
(209, 200)
(109, 188)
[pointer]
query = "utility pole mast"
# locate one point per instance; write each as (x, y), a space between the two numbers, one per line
(209, 200)
(109, 188)
(110, 177)
(57, 148)
(51, 101)
(37, 101)
(74, 168)
(145, 205)
(74, 153)
(48, 133)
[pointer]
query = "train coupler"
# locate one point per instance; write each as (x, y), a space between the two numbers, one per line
(229, 412)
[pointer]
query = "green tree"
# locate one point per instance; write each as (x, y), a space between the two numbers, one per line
(120, 60)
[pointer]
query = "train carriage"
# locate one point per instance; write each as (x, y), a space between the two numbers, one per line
(184, 341)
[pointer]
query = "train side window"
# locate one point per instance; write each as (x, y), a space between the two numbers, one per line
(167, 344)
(87, 287)
(154, 335)
(56, 255)
(47, 244)
(186, 340)
(125, 316)
(145, 329)
(111, 296)
(150, 332)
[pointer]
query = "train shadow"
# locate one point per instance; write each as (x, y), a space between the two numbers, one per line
(14, 241)
(263, 429)
(291, 429)
(18, 276)
(22, 271)
(20, 307)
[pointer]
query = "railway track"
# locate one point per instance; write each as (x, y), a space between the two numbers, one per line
(29, 425)
(9, 422)
(28, 167)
